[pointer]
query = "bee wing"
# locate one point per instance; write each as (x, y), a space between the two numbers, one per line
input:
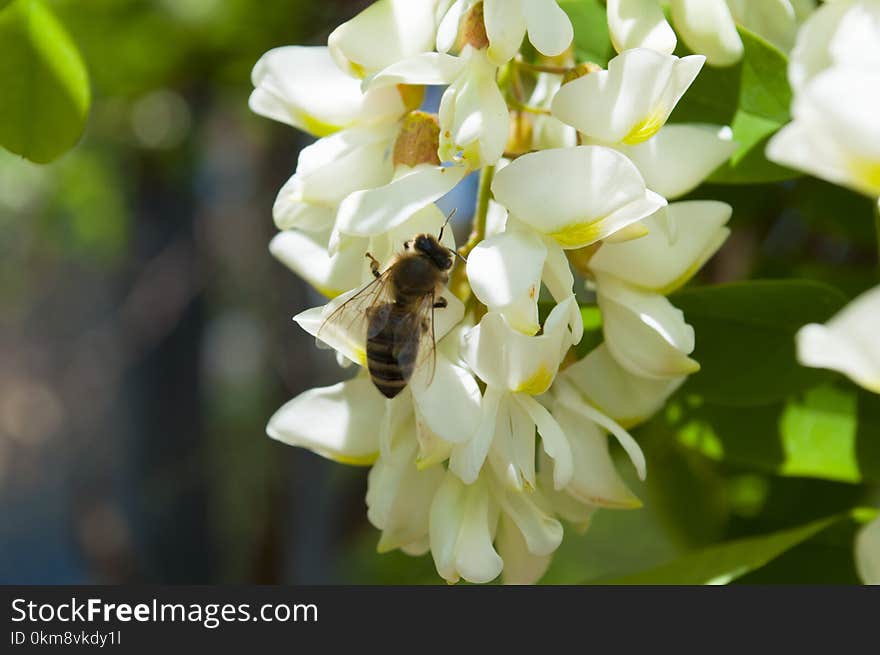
(347, 317)
(427, 342)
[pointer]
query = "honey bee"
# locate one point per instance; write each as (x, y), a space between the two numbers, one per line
(398, 310)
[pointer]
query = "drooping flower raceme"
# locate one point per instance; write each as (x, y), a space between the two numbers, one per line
(504, 436)
(835, 135)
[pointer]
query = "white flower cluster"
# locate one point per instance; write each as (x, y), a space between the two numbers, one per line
(835, 134)
(708, 27)
(480, 459)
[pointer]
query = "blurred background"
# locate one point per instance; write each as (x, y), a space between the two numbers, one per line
(146, 333)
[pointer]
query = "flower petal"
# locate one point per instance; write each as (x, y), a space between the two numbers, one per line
(868, 552)
(474, 120)
(431, 68)
(512, 455)
(306, 255)
(774, 20)
(399, 496)
(520, 566)
(467, 459)
(550, 29)
(595, 479)
(707, 27)
(329, 170)
(553, 439)
(569, 399)
(336, 422)
(508, 359)
(838, 141)
(542, 532)
(631, 100)
(461, 534)
(848, 342)
(302, 87)
(652, 263)
(449, 402)
(383, 33)
(639, 24)
(505, 27)
(594, 192)
(374, 211)
(679, 157)
(644, 332)
(506, 268)
(628, 399)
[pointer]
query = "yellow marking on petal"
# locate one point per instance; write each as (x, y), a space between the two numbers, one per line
(866, 173)
(327, 292)
(363, 460)
(315, 126)
(357, 69)
(537, 383)
(647, 128)
(578, 235)
(361, 356)
(412, 95)
(681, 280)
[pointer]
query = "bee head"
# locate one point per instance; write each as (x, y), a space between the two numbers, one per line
(428, 245)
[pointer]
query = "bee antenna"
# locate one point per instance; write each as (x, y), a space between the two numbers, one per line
(446, 222)
(459, 255)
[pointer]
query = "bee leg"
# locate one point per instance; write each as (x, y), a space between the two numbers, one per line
(440, 303)
(374, 265)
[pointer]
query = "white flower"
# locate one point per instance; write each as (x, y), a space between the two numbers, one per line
(338, 422)
(680, 157)
(516, 367)
(626, 398)
(652, 262)
(708, 27)
(847, 343)
(844, 33)
(629, 102)
(507, 22)
(505, 272)
(331, 169)
(400, 493)
(302, 87)
(835, 133)
(868, 552)
(383, 33)
(643, 331)
(593, 193)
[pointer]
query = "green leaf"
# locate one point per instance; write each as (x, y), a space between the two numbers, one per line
(3, 3)
(725, 562)
(745, 338)
(753, 97)
(592, 42)
(45, 97)
(828, 432)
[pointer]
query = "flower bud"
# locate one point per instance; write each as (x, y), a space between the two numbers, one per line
(418, 140)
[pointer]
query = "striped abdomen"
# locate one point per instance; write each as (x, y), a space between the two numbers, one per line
(393, 335)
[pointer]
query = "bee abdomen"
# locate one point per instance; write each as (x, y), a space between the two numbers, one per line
(391, 356)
